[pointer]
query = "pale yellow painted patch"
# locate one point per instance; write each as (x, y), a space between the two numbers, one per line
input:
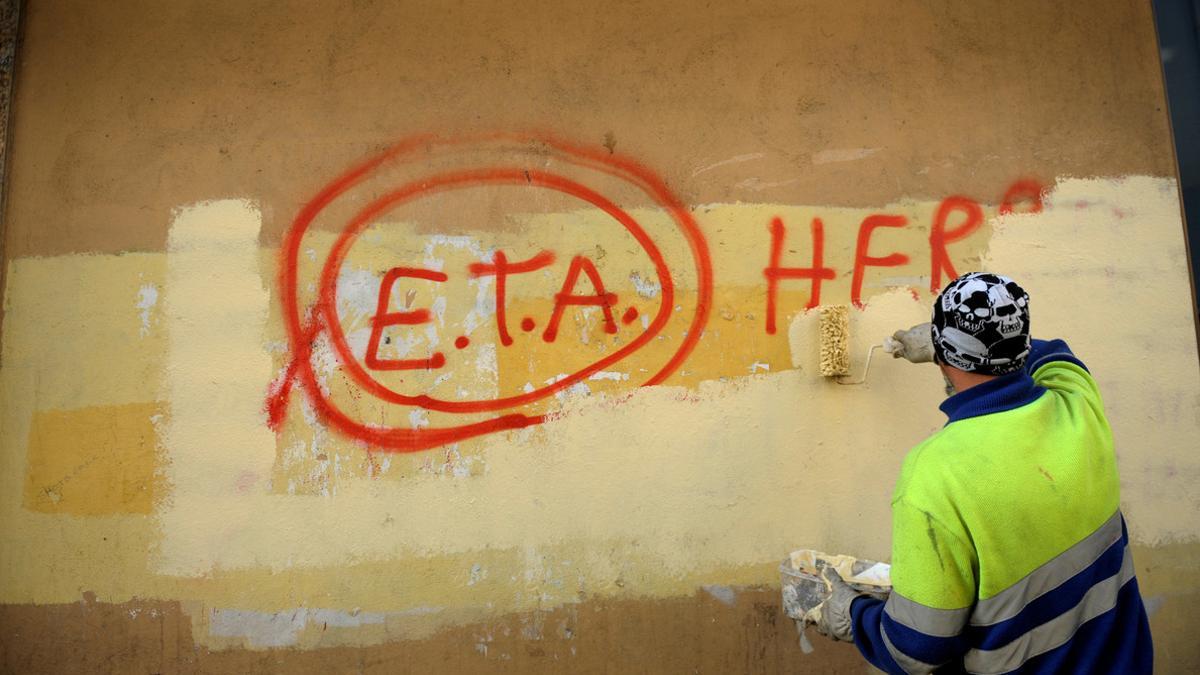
(734, 342)
(644, 492)
(85, 329)
(94, 461)
(1106, 269)
(216, 440)
(611, 466)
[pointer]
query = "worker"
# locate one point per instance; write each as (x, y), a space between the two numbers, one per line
(1009, 550)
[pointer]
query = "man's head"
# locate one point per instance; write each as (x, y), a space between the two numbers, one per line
(981, 325)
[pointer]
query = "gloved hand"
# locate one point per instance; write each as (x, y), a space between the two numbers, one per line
(833, 616)
(914, 344)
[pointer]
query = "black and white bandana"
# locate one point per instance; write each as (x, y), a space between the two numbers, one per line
(981, 324)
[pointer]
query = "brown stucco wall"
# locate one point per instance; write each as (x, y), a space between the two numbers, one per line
(142, 106)
(127, 115)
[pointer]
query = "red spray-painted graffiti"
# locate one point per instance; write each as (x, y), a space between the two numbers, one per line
(774, 272)
(939, 258)
(306, 325)
(1026, 191)
(500, 268)
(383, 318)
(862, 260)
(317, 318)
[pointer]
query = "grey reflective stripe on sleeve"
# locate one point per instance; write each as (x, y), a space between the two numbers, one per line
(1099, 599)
(1008, 603)
(908, 663)
(928, 620)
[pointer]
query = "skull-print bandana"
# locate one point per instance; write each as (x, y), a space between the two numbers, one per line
(981, 324)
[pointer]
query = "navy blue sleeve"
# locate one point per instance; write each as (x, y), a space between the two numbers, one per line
(1042, 352)
(867, 616)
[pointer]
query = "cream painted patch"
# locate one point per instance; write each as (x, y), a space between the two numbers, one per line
(218, 447)
(73, 331)
(679, 485)
(1106, 269)
(533, 494)
(795, 419)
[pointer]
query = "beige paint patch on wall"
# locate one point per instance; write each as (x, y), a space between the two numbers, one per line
(734, 343)
(215, 439)
(83, 330)
(1106, 269)
(73, 341)
(498, 505)
(729, 441)
(607, 500)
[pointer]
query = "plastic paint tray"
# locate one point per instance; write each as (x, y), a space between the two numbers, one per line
(804, 588)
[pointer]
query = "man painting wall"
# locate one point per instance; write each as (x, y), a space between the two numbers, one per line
(1009, 550)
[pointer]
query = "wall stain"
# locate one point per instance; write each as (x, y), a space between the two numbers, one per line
(697, 634)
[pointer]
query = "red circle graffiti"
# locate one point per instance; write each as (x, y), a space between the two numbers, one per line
(322, 316)
(514, 176)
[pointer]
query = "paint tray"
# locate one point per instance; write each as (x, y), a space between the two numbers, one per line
(804, 588)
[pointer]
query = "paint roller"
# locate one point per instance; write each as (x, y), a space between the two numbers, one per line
(835, 345)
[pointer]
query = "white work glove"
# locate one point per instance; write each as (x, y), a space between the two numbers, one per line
(833, 618)
(914, 344)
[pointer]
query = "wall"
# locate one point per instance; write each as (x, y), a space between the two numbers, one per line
(225, 449)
